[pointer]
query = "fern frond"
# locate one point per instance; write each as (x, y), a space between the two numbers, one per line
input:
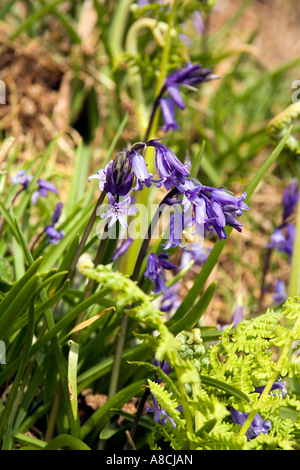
(270, 442)
(167, 402)
(223, 437)
(291, 308)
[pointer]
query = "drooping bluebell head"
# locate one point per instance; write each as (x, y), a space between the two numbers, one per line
(44, 188)
(278, 385)
(168, 114)
(171, 170)
(119, 177)
(140, 170)
(290, 199)
(176, 227)
(170, 300)
(57, 213)
(258, 425)
(155, 271)
(161, 416)
(165, 366)
(119, 252)
(187, 77)
(282, 239)
(54, 236)
(21, 178)
(198, 22)
(280, 294)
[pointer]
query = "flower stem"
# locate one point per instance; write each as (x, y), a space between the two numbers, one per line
(133, 75)
(118, 26)
(137, 416)
(153, 122)
(146, 241)
(85, 236)
(118, 356)
(185, 406)
(124, 321)
(91, 283)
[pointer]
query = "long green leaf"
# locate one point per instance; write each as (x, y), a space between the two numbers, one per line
(194, 315)
(34, 17)
(19, 285)
(18, 305)
(29, 442)
(10, 407)
(225, 387)
(40, 308)
(72, 376)
(65, 440)
(60, 359)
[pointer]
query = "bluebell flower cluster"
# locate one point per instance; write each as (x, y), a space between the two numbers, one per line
(44, 187)
(21, 178)
(170, 300)
(155, 271)
(54, 235)
(207, 209)
(280, 294)
(188, 77)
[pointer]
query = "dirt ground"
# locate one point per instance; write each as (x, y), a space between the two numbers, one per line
(278, 39)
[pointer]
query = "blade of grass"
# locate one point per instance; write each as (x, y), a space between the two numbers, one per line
(72, 376)
(34, 17)
(60, 359)
(115, 139)
(65, 440)
(98, 297)
(193, 316)
(10, 405)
